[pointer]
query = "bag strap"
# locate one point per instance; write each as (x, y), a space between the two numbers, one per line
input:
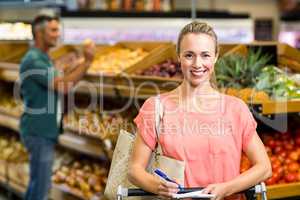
(158, 118)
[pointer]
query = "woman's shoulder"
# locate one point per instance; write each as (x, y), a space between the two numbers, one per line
(234, 102)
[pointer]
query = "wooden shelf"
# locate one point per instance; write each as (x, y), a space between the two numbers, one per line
(276, 107)
(9, 75)
(9, 122)
(283, 191)
(7, 112)
(82, 144)
(74, 192)
(68, 128)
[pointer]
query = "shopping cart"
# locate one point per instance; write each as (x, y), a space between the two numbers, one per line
(251, 193)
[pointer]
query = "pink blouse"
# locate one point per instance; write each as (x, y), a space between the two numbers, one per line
(210, 143)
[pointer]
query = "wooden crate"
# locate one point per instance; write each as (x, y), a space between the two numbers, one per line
(289, 52)
(153, 48)
(223, 48)
(149, 83)
(13, 52)
(60, 51)
(157, 55)
(240, 49)
(282, 191)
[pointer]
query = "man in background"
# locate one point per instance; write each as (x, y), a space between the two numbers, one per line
(41, 84)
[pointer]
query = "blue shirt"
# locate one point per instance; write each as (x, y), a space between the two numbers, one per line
(40, 101)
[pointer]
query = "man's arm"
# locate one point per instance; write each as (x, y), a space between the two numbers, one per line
(63, 83)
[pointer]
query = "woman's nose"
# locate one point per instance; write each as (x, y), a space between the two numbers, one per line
(198, 61)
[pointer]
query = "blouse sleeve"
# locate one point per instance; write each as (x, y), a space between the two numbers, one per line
(247, 125)
(145, 123)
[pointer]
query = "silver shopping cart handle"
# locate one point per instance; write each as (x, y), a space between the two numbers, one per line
(130, 192)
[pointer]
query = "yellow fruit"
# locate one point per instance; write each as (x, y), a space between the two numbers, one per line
(246, 94)
(260, 96)
(232, 92)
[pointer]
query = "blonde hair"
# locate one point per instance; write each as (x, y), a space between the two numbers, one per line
(199, 27)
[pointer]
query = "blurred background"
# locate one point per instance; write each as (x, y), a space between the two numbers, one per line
(259, 63)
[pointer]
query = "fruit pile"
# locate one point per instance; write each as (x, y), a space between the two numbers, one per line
(85, 178)
(284, 152)
(116, 60)
(168, 69)
(278, 84)
(8, 104)
(248, 95)
(12, 150)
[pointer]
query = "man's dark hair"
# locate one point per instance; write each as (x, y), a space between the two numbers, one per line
(41, 20)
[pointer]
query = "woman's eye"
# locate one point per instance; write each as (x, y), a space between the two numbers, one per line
(206, 55)
(188, 56)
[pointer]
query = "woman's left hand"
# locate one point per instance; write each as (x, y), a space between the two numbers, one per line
(220, 190)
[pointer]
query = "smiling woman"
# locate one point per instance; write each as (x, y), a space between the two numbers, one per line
(197, 61)
(210, 150)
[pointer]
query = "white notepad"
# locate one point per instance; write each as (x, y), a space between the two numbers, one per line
(196, 194)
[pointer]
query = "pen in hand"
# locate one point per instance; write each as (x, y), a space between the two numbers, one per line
(165, 177)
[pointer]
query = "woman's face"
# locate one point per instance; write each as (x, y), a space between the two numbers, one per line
(197, 57)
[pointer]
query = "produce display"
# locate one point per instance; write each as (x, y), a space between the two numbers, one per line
(251, 79)
(85, 178)
(12, 150)
(98, 124)
(7, 103)
(238, 71)
(168, 69)
(248, 95)
(116, 60)
(278, 84)
(284, 152)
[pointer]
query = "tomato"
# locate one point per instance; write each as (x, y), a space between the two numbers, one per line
(276, 176)
(270, 181)
(288, 161)
(293, 167)
(290, 177)
(278, 150)
(289, 145)
(271, 143)
(276, 165)
(294, 155)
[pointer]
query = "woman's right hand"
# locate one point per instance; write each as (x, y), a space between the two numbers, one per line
(166, 188)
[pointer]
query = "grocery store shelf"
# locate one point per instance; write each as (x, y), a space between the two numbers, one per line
(74, 192)
(10, 114)
(82, 133)
(9, 71)
(275, 107)
(65, 189)
(82, 144)
(79, 143)
(9, 66)
(282, 191)
(9, 75)
(9, 122)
